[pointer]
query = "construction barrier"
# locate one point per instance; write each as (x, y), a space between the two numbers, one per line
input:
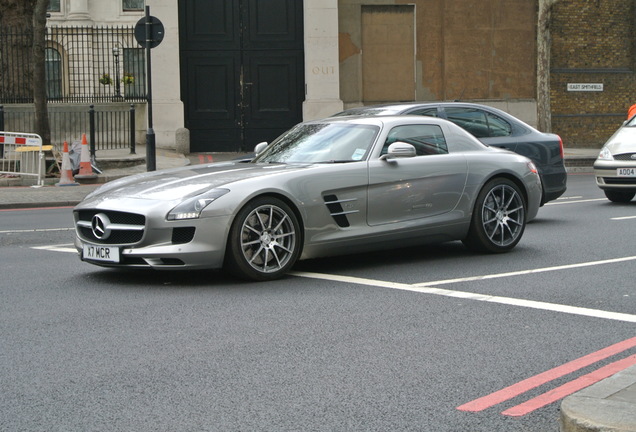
(22, 154)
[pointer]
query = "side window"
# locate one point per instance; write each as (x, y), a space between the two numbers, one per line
(427, 139)
(498, 127)
(469, 119)
(428, 112)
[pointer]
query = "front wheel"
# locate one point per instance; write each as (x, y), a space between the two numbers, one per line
(499, 218)
(619, 196)
(264, 241)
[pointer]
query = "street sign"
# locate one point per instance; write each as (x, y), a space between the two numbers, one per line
(156, 31)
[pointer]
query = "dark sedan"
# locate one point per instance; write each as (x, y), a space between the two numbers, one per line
(495, 128)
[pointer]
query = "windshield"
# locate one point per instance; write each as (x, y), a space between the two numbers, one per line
(321, 143)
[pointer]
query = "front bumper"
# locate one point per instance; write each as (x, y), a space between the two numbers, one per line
(159, 248)
(605, 174)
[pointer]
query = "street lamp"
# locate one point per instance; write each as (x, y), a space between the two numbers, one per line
(117, 88)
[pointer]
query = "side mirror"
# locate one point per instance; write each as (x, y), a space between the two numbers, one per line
(260, 147)
(399, 149)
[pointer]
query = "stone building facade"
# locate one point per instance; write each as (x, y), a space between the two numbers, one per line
(359, 52)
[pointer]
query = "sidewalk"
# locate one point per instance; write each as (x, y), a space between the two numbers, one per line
(609, 405)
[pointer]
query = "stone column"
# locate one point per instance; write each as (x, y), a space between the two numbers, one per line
(78, 11)
(322, 75)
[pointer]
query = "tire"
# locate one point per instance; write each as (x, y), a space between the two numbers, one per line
(264, 241)
(619, 196)
(499, 218)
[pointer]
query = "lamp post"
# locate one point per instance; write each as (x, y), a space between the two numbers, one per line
(117, 88)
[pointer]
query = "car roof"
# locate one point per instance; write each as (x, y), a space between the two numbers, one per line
(401, 107)
(386, 120)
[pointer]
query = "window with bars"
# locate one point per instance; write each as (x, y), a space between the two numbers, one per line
(134, 77)
(53, 73)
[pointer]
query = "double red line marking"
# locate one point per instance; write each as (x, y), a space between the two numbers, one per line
(552, 374)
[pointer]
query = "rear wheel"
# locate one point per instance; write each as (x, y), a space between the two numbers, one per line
(619, 196)
(499, 218)
(264, 241)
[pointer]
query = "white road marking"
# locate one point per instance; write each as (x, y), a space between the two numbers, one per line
(57, 248)
(623, 218)
(525, 272)
(429, 288)
(551, 203)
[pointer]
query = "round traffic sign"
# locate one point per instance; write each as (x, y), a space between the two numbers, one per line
(156, 31)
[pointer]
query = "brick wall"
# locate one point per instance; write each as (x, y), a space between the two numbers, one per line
(592, 42)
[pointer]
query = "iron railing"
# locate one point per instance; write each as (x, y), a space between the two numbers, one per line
(110, 126)
(83, 65)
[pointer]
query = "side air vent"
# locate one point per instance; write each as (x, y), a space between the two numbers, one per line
(182, 235)
(334, 205)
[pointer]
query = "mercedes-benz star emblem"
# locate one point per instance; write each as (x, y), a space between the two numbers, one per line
(100, 226)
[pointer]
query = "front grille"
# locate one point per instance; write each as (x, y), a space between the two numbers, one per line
(125, 228)
(625, 157)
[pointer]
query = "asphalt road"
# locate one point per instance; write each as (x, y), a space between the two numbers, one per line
(385, 341)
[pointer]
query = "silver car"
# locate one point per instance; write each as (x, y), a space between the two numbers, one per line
(615, 166)
(336, 186)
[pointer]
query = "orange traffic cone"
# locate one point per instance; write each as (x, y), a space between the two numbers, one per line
(66, 176)
(85, 168)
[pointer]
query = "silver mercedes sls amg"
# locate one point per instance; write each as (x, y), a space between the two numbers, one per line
(329, 187)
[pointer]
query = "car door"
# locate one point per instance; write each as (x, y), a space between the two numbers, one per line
(407, 189)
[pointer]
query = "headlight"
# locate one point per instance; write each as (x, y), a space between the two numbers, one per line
(605, 154)
(192, 207)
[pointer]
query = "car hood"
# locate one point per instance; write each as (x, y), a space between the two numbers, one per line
(184, 182)
(623, 141)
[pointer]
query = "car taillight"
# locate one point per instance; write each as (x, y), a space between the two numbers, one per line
(561, 147)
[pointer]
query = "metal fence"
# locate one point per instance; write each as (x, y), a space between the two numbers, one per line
(82, 64)
(111, 126)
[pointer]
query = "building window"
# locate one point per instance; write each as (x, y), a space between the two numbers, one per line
(54, 6)
(53, 73)
(133, 5)
(134, 72)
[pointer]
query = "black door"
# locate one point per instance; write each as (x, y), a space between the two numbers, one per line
(242, 71)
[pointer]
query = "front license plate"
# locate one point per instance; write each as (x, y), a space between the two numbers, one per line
(626, 172)
(101, 253)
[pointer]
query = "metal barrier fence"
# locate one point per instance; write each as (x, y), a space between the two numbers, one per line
(22, 154)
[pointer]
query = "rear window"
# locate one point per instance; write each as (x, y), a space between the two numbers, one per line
(481, 124)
